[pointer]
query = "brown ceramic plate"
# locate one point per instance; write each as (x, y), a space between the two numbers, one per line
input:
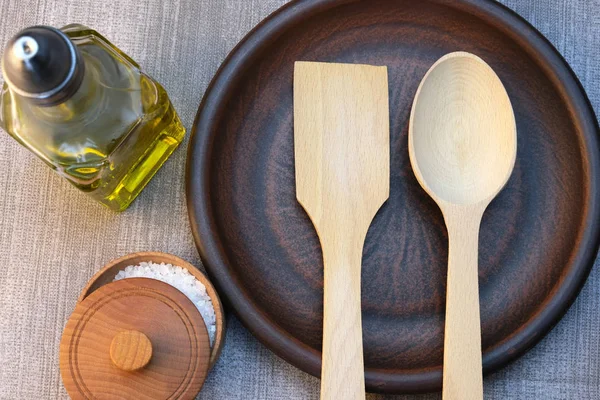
(538, 239)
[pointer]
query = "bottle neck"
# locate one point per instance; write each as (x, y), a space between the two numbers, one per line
(83, 102)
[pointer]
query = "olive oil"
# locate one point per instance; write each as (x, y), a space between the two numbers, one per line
(107, 134)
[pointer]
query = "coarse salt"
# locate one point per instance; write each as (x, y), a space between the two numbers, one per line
(181, 279)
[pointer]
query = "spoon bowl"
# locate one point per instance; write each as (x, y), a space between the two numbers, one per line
(463, 138)
(462, 142)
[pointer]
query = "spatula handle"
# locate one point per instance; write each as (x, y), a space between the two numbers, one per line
(463, 379)
(342, 373)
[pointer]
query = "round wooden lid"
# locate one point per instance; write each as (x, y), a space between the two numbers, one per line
(135, 338)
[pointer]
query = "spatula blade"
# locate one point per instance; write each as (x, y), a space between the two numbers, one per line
(341, 139)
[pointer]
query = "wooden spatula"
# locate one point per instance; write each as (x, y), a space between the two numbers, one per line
(341, 139)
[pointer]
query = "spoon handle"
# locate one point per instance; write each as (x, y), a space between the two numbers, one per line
(342, 374)
(463, 379)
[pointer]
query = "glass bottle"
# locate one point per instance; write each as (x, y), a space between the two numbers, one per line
(85, 108)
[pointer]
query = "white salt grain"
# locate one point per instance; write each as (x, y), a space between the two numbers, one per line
(180, 279)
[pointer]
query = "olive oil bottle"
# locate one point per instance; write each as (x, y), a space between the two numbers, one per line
(85, 108)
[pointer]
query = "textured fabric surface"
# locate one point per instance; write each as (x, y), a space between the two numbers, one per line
(53, 238)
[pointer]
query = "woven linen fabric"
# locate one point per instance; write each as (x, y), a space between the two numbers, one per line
(53, 238)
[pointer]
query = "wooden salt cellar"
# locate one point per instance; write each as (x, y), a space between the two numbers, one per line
(138, 338)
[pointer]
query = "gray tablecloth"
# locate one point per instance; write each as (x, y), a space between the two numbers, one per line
(53, 239)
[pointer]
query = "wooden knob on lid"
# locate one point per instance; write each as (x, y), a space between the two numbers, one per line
(136, 338)
(130, 350)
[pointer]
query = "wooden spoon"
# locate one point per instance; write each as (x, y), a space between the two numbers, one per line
(462, 143)
(341, 143)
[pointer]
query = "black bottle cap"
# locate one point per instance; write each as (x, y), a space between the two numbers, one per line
(41, 64)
